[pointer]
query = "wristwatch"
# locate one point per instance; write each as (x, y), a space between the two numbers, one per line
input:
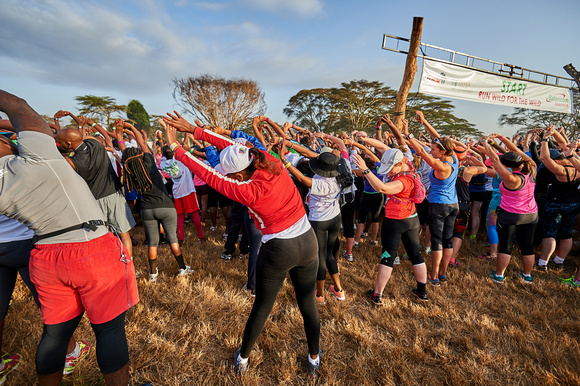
(410, 136)
(367, 171)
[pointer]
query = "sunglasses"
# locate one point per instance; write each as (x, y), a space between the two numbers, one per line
(438, 143)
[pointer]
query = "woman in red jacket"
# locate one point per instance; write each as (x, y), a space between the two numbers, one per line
(256, 179)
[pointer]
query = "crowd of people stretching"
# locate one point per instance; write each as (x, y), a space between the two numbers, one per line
(68, 195)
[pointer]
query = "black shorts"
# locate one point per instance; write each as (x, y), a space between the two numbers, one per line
(477, 196)
(371, 203)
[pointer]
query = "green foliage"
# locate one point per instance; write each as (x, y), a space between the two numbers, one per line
(528, 119)
(439, 113)
(99, 108)
(137, 113)
(359, 104)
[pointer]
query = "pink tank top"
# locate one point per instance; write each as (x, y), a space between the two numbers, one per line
(521, 200)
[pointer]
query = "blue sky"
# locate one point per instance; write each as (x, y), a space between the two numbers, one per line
(53, 50)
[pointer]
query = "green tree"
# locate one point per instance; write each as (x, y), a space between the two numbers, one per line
(528, 119)
(359, 104)
(137, 113)
(439, 113)
(100, 108)
(218, 101)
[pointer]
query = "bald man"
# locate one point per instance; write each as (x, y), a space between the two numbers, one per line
(91, 162)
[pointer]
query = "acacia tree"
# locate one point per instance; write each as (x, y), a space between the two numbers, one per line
(528, 119)
(219, 101)
(313, 109)
(439, 113)
(101, 108)
(361, 103)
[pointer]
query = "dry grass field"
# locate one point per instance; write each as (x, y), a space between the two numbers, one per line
(472, 331)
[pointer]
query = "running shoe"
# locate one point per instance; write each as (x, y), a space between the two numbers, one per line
(427, 249)
(556, 266)
(434, 282)
(570, 281)
(495, 278)
(242, 255)
(250, 292)
(526, 279)
(319, 299)
(339, 294)
(420, 295)
(10, 363)
(225, 236)
(239, 367)
(543, 268)
(443, 279)
(453, 263)
(397, 261)
(153, 276)
(212, 228)
(314, 370)
(373, 243)
(184, 272)
(226, 256)
(348, 256)
(71, 363)
(365, 234)
(355, 245)
(374, 297)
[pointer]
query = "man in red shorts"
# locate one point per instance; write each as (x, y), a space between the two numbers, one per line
(77, 265)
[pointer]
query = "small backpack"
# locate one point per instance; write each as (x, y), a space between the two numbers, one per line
(419, 192)
(345, 178)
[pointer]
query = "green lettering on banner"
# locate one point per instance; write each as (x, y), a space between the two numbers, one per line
(513, 87)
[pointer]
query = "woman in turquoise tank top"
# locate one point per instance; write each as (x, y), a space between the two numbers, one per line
(443, 203)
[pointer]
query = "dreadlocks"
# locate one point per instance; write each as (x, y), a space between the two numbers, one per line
(134, 173)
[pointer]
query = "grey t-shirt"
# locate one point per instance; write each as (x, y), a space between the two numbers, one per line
(40, 189)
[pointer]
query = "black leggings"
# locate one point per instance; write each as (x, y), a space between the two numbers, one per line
(515, 226)
(14, 256)
(112, 349)
(405, 230)
(441, 224)
(326, 235)
(278, 257)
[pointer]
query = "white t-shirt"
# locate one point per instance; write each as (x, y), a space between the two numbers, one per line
(323, 199)
(180, 175)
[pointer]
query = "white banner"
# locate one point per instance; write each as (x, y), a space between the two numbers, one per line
(452, 81)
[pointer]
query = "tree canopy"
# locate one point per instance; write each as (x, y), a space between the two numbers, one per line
(137, 113)
(528, 119)
(358, 104)
(100, 108)
(219, 101)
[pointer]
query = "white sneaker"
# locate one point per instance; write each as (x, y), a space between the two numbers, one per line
(184, 272)
(355, 245)
(153, 276)
(212, 228)
(349, 257)
(397, 261)
(225, 236)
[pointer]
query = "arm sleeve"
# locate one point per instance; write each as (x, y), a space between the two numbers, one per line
(217, 140)
(212, 156)
(534, 153)
(240, 134)
(243, 192)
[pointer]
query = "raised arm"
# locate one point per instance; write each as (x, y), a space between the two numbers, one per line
(369, 153)
(421, 119)
(510, 180)
(437, 165)
(393, 187)
(100, 129)
(304, 180)
(21, 115)
(258, 132)
(395, 130)
(303, 150)
(138, 137)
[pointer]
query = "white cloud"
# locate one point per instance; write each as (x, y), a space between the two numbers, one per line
(211, 6)
(302, 7)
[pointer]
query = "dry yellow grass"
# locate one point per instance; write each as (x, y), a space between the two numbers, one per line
(472, 331)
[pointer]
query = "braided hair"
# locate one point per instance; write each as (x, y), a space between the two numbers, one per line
(134, 172)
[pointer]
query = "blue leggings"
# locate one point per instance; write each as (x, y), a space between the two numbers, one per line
(491, 226)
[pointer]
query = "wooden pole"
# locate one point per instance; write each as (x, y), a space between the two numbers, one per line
(410, 70)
